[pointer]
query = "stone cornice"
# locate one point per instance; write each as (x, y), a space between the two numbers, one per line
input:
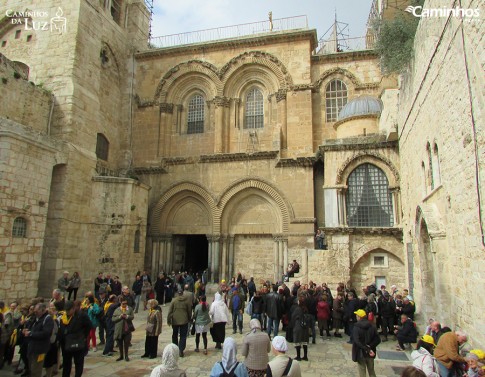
(225, 157)
(358, 143)
(178, 160)
(345, 56)
(303, 220)
(150, 170)
(299, 161)
(249, 41)
(396, 232)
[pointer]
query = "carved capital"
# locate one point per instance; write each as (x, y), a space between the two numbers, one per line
(166, 108)
(220, 101)
(280, 95)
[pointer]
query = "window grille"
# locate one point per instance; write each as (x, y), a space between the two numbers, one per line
(195, 116)
(335, 99)
(102, 147)
(254, 115)
(369, 201)
(19, 227)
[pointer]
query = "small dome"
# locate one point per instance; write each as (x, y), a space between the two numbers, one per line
(363, 105)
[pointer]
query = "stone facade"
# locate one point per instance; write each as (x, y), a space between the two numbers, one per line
(442, 150)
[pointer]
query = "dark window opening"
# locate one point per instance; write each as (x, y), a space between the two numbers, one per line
(116, 10)
(4, 43)
(102, 147)
(19, 228)
(254, 113)
(335, 99)
(196, 253)
(17, 34)
(136, 244)
(29, 38)
(195, 116)
(369, 201)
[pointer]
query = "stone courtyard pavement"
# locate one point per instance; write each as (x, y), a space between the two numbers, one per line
(328, 358)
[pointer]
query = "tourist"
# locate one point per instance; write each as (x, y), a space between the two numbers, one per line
(63, 282)
(116, 286)
(179, 316)
(323, 315)
(300, 324)
(319, 238)
(111, 305)
(128, 296)
(202, 321)
(93, 313)
(447, 352)
(256, 345)
(257, 306)
(137, 291)
(122, 318)
(169, 366)
(236, 306)
(220, 316)
(473, 369)
(423, 358)
(412, 372)
(74, 284)
(52, 356)
(387, 311)
(282, 365)
(365, 339)
(229, 364)
(337, 314)
(153, 329)
(274, 310)
(98, 280)
(159, 288)
(146, 289)
(75, 327)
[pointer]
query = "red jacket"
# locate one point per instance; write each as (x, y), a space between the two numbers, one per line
(323, 310)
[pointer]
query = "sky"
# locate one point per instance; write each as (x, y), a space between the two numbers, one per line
(180, 16)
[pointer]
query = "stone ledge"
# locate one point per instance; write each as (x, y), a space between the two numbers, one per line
(264, 155)
(299, 161)
(364, 230)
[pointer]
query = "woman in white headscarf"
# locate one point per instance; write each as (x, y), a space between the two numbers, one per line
(256, 345)
(229, 363)
(169, 365)
(220, 315)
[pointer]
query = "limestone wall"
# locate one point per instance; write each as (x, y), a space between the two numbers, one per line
(22, 101)
(442, 103)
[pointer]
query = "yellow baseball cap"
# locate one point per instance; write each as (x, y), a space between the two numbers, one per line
(479, 353)
(361, 313)
(428, 339)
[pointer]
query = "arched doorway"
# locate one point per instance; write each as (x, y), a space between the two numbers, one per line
(428, 300)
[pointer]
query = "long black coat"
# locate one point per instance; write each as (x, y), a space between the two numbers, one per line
(365, 338)
(300, 334)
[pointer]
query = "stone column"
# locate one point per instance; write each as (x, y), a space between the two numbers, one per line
(221, 103)
(276, 258)
(285, 255)
(170, 257)
(304, 264)
(396, 205)
(282, 115)
(217, 256)
(342, 213)
(231, 257)
(155, 254)
(223, 269)
(209, 259)
(280, 258)
(166, 116)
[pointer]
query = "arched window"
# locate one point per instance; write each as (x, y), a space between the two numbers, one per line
(195, 115)
(102, 147)
(430, 162)
(423, 173)
(369, 201)
(335, 99)
(136, 244)
(19, 227)
(254, 114)
(436, 166)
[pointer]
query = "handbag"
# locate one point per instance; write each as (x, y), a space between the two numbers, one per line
(74, 342)
(128, 326)
(192, 329)
(371, 316)
(149, 327)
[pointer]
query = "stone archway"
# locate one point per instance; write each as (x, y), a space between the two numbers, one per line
(428, 299)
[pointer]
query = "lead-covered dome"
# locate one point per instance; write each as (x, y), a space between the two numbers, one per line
(363, 105)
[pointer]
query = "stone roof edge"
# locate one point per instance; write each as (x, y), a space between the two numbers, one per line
(360, 144)
(250, 41)
(345, 56)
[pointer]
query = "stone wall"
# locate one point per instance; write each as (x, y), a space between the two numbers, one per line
(442, 103)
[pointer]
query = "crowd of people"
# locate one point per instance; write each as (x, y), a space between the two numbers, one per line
(54, 333)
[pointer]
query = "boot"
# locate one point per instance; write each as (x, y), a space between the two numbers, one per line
(305, 352)
(321, 333)
(328, 334)
(298, 353)
(240, 326)
(121, 353)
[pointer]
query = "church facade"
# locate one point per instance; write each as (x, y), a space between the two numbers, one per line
(223, 156)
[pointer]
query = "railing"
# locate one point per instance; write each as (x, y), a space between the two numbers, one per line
(335, 45)
(227, 32)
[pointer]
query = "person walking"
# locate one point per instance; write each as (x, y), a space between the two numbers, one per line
(365, 339)
(236, 306)
(274, 310)
(153, 329)
(137, 289)
(122, 318)
(256, 346)
(202, 322)
(179, 316)
(220, 316)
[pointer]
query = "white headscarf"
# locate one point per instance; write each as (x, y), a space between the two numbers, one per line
(229, 350)
(217, 297)
(279, 344)
(255, 325)
(170, 358)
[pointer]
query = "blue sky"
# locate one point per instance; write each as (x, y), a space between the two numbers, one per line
(179, 16)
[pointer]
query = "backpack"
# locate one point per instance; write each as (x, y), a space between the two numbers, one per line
(231, 372)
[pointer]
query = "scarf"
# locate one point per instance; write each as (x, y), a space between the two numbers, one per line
(106, 306)
(65, 319)
(254, 325)
(170, 359)
(229, 350)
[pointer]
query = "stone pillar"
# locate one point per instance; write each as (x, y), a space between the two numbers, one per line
(155, 254)
(223, 269)
(396, 205)
(276, 258)
(285, 255)
(217, 258)
(209, 259)
(221, 103)
(231, 257)
(166, 119)
(170, 257)
(342, 212)
(304, 264)
(282, 115)
(280, 258)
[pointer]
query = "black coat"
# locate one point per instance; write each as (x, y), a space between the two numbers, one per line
(79, 325)
(40, 335)
(365, 338)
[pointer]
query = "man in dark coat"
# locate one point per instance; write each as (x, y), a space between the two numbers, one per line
(365, 339)
(407, 333)
(387, 311)
(274, 310)
(39, 339)
(350, 308)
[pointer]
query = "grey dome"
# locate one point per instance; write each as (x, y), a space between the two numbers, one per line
(363, 105)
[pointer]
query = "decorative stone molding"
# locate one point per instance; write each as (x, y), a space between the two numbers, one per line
(144, 102)
(280, 95)
(178, 160)
(429, 214)
(166, 108)
(366, 155)
(341, 71)
(358, 143)
(150, 170)
(396, 232)
(304, 220)
(299, 161)
(302, 87)
(221, 101)
(224, 157)
(356, 117)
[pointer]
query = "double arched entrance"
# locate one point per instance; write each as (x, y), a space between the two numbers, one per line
(242, 230)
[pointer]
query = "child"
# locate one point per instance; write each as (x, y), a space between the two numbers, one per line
(472, 360)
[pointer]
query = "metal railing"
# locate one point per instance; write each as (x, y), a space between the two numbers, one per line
(332, 46)
(228, 32)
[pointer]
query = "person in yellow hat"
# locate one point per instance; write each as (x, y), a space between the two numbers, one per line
(365, 339)
(423, 358)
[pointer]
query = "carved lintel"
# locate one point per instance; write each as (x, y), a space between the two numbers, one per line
(166, 108)
(280, 95)
(220, 101)
(301, 87)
